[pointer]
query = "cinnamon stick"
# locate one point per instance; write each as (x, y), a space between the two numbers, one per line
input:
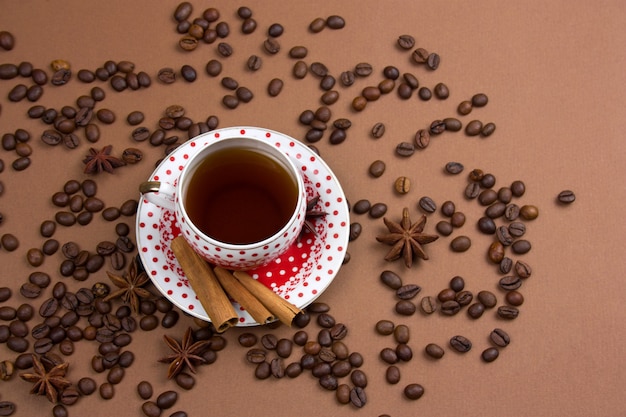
(206, 285)
(283, 309)
(243, 296)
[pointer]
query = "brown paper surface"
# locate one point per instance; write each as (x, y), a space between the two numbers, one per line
(554, 75)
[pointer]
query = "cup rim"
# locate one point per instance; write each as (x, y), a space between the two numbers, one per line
(247, 246)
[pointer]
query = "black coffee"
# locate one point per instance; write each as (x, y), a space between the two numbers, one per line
(240, 196)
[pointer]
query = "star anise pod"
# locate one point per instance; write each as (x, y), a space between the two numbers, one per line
(97, 161)
(187, 352)
(48, 383)
(407, 238)
(129, 286)
(311, 215)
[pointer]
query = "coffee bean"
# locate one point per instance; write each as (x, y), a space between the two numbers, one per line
(271, 46)
(454, 168)
(420, 56)
(149, 408)
(413, 391)
(358, 398)
(464, 108)
(499, 337)
(391, 279)
(408, 291)
(7, 408)
(421, 138)
(427, 204)
(473, 128)
(402, 185)
(274, 87)
(437, 127)
(514, 298)
(508, 312)
(460, 244)
(377, 168)
(406, 41)
(335, 22)
(167, 399)
(444, 228)
(488, 129)
(428, 304)
(370, 93)
(441, 91)
(378, 210)
(384, 327)
(405, 149)
(476, 310)
(490, 354)
(510, 282)
(434, 351)
(479, 100)
(460, 344)
(405, 308)
(521, 247)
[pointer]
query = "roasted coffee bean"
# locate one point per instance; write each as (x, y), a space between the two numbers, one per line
(508, 312)
(144, 389)
(566, 197)
(444, 228)
(450, 307)
(514, 298)
(402, 185)
(406, 41)
(428, 304)
(499, 337)
(420, 56)
(522, 269)
(378, 130)
(317, 25)
(404, 91)
(185, 380)
(413, 391)
(358, 398)
(405, 308)
(460, 344)
(359, 103)
(404, 352)
(408, 291)
(434, 351)
(274, 87)
(189, 73)
(427, 204)
(488, 129)
(361, 206)
(378, 210)
(474, 128)
(511, 212)
(347, 78)
(284, 348)
(476, 310)
(149, 408)
(271, 46)
(392, 374)
(487, 197)
(460, 244)
(384, 327)
(167, 399)
(464, 297)
(521, 246)
(487, 298)
(7, 408)
(421, 138)
(490, 354)
(377, 168)
(391, 279)
(479, 100)
(441, 91)
(405, 149)
(335, 22)
(529, 212)
(389, 355)
(510, 282)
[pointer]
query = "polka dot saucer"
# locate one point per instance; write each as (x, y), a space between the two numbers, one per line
(300, 275)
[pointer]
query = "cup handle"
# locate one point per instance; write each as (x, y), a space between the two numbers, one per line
(159, 193)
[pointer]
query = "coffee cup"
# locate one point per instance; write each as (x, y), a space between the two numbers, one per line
(239, 201)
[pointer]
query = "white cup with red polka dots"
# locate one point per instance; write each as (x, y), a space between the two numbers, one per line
(239, 201)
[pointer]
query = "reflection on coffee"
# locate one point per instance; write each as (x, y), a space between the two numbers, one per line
(240, 196)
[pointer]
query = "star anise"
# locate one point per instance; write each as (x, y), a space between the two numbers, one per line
(407, 238)
(101, 160)
(48, 383)
(187, 352)
(311, 215)
(129, 286)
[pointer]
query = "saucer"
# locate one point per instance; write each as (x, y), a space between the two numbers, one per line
(300, 275)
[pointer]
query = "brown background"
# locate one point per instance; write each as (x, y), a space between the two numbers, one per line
(554, 74)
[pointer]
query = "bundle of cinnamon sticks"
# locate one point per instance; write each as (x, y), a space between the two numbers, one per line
(213, 286)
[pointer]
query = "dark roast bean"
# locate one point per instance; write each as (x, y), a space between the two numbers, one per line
(428, 304)
(335, 22)
(508, 312)
(377, 168)
(274, 87)
(384, 327)
(434, 350)
(405, 307)
(479, 100)
(460, 344)
(405, 149)
(521, 246)
(358, 398)
(378, 210)
(413, 391)
(476, 310)
(490, 354)
(427, 204)
(144, 389)
(499, 337)
(408, 291)
(460, 244)
(167, 399)
(454, 167)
